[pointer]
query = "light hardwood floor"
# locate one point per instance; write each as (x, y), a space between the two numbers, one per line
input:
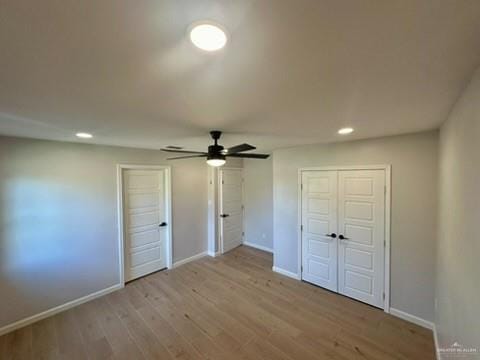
(229, 307)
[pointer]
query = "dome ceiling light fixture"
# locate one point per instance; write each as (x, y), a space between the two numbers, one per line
(208, 36)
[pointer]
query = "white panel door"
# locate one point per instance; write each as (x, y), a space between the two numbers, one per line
(145, 226)
(319, 227)
(361, 221)
(231, 208)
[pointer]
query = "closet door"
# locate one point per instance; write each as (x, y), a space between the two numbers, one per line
(361, 224)
(319, 227)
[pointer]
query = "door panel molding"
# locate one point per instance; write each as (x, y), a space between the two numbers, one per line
(120, 212)
(387, 236)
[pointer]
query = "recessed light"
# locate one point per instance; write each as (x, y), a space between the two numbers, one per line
(208, 36)
(345, 131)
(84, 135)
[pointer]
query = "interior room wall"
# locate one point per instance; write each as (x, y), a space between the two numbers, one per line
(258, 202)
(414, 202)
(58, 219)
(457, 315)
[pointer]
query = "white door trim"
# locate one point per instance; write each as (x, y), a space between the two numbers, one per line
(212, 212)
(168, 212)
(388, 184)
(219, 192)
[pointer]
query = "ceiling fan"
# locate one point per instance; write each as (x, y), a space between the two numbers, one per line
(216, 153)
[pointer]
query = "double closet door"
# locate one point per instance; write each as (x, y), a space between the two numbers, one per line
(343, 232)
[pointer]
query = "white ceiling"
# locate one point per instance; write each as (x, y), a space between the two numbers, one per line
(293, 73)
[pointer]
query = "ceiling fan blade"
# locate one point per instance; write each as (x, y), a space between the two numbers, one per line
(239, 148)
(184, 151)
(251, 156)
(187, 157)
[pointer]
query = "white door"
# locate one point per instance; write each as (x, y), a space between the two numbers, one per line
(145, 222)
(361, 222)
(231, 208)
(319, 228)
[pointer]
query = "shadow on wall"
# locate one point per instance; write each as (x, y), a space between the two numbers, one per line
(45, 244)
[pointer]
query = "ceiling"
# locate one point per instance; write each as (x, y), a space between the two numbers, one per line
(294, 72)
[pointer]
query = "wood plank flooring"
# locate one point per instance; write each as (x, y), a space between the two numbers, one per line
(229, 307)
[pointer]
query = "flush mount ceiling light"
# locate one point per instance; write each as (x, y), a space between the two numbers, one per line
(84, 135)
(208, 36)
(345, 131)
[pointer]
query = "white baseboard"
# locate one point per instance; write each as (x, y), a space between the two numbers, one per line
(412, 318)
(259, 247)
(50, 312)
(191, 258)
(286, 273)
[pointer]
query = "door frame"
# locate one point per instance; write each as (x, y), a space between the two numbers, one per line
(120, 212)
(388, 201)
(219, 196)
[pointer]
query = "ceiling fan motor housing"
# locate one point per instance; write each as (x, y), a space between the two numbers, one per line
(215, 152)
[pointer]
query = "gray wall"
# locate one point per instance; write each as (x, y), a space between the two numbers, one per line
(457, 316)
(258, 201)
(414, 203)
(58, 219)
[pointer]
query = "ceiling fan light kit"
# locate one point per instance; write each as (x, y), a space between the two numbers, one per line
(216, 162)
(217, 154)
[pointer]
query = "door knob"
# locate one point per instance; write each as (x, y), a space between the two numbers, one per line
(332, 235)
(224, 215)
(341, 237)
(163, 224)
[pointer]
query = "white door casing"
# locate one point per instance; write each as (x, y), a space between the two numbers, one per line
(319, 219)
(145, 221)
(230, 208)
(361, 214)
(361, 219)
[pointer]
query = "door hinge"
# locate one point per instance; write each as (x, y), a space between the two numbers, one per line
(301, 187)
(383, 295)
(301, 268)
(301, 227)
(385, 189)
(243, 233)
(243, 207)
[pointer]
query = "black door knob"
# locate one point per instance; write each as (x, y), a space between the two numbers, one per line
(341, 237)
(163, 224)
(332, 235)
(224, 215)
